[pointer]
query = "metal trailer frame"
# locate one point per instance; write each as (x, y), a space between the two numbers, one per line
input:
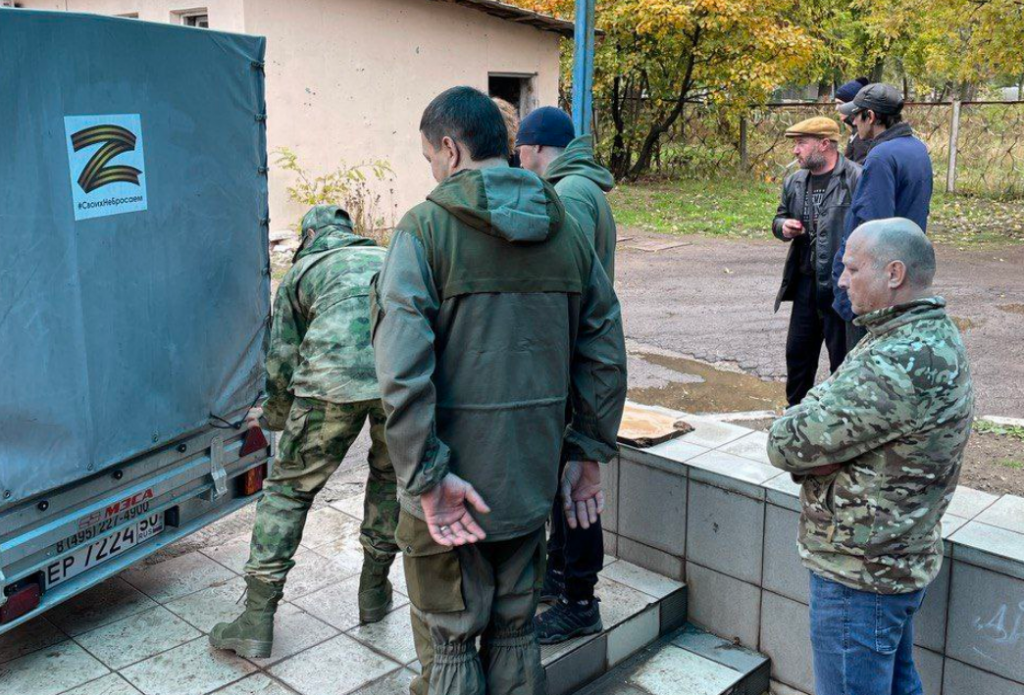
(191, 482)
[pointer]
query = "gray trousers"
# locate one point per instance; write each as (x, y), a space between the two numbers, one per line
(485, 590)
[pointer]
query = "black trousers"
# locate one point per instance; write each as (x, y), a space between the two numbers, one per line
(812, 323)
(578, 553)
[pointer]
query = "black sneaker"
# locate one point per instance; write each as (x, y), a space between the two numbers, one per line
(554, 587)
(567, 619)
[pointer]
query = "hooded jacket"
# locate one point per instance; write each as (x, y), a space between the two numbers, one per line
(582, 183)
(491, 313)
(320, 333)
(896, 182)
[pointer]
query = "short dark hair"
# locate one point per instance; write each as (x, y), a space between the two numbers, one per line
(467, 116)
(886, 120)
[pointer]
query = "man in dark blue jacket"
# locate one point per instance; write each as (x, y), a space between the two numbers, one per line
(896, 181)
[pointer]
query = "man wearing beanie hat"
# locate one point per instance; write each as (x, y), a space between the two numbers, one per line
(548, 146)
(856, 148)
(811, 218)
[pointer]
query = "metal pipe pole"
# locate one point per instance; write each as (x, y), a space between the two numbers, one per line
(954, 136)
(583, 67)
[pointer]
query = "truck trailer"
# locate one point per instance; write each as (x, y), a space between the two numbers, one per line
(134, 293)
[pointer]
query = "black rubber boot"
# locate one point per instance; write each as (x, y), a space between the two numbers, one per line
(251, 634)
(567, 619)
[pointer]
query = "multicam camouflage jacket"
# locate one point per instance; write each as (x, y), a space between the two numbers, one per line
(320, 336)
(896, 417)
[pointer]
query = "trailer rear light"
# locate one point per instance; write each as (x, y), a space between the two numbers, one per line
(252, 479)
(254, 441)
(22, 597)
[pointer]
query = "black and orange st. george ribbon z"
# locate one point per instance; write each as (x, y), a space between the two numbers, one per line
(116, 141)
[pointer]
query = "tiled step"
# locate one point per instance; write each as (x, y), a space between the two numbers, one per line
(637, 608)
(687, 662)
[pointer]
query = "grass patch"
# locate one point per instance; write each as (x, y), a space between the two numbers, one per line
(1011, 463)
(964, 220)
(986, 427)
(743, 207)
(734, 207)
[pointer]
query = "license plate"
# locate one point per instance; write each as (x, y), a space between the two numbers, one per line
(102, 550)
(114, 518)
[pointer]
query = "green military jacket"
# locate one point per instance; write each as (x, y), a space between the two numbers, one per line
(320, 334)
(492, 311)
(582, 183)
(896, 415)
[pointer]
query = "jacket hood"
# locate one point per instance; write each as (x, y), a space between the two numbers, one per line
(578, 160)
(333, 229)
(511, 204)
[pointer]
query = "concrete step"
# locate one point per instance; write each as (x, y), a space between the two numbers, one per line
(638, 607)
(688, 661)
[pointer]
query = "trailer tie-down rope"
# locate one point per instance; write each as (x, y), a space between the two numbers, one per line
(227, 424)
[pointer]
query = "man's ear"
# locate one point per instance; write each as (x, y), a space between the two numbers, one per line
(897, 271)
(451, 150)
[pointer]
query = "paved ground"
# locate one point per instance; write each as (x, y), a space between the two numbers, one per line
(145, 631)
(713, 299)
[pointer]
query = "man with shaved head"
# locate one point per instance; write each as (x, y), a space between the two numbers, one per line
(877, 449)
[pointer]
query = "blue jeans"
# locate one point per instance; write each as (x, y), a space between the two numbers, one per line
(863, 642)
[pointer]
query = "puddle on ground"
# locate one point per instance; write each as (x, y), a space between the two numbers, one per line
(697, 387)
(1011, 308)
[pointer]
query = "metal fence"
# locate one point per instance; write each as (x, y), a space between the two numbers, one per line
(976, 147)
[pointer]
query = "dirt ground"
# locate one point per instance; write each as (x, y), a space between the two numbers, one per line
(710, 302)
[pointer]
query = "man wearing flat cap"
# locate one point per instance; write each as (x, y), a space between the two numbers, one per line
(897, 179)
(811, 218)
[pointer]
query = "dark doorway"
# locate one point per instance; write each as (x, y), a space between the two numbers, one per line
(515, 89)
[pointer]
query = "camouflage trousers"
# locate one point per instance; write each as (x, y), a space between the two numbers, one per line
(486, 590)
(316, 438)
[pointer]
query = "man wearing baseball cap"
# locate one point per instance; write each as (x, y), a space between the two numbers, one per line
(897, 178)
(811, 217)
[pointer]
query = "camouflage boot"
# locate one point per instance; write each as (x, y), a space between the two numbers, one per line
(374, 590)
(251, 635)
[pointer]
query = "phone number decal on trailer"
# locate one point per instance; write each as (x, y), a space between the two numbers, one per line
(103, 549)
(102, 527)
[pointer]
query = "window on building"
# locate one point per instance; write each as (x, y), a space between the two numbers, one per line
(516, 89)
(198, 17)
(129, 15)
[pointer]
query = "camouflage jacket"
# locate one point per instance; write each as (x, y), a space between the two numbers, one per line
(896, 417)
(320, 336)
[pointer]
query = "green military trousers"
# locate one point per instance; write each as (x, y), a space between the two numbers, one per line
(488, 590)
(316, 438)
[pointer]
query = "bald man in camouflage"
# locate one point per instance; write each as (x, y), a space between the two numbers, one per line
(321, 389)
(878, 449)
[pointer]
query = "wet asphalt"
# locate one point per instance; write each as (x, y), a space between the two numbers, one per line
(712, 300)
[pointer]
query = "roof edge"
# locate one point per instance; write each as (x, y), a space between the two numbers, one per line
(519, 15)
